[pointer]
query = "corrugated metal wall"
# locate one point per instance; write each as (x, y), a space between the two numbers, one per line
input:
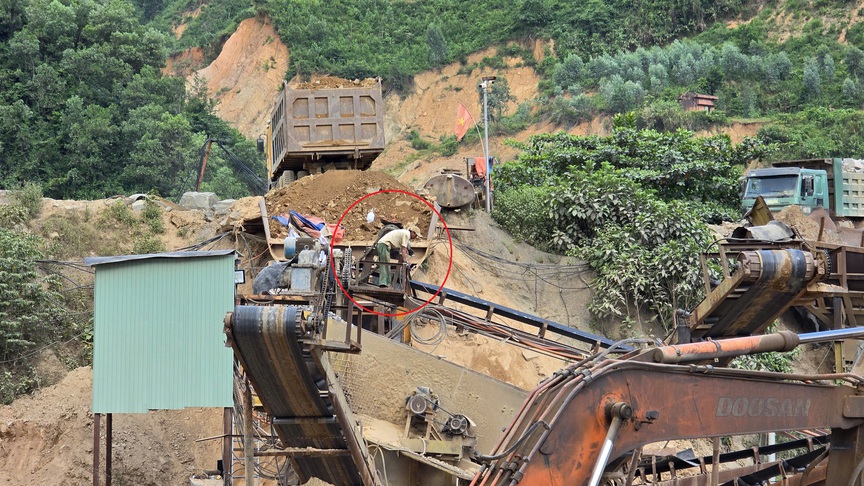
(158, 340)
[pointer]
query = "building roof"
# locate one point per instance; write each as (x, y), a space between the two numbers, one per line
(697, 96)
(93, 261)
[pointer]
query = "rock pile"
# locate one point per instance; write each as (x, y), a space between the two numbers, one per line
(329, 195)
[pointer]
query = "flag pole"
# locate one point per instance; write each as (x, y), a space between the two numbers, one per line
(477, 128)
(487, 80)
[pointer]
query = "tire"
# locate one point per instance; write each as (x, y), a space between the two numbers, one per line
(285, 178)
(302, 173)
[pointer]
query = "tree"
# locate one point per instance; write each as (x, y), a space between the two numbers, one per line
(497, 98)
(30, 311)
(826, 61)
(602, 66)
(777, 68)
(855, 61)
(437, 45)
(569, 72)
(735, 64)
(533, 15)
(812, 86)
(621, 96)
(850, 91)
(684, 70)
(658, 78)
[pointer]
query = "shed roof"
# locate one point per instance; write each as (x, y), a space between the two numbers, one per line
(93, 261)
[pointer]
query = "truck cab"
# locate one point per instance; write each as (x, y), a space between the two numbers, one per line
(787, 186)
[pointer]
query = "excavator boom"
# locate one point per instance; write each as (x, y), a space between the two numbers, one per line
(594, 415)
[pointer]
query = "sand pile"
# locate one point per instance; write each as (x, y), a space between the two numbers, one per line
(330, 82)
(808, 226)
(329, 195)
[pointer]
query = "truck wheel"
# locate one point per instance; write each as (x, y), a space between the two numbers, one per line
(302, 173)
(285, 178)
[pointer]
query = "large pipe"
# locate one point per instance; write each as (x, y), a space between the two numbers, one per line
(725, 348)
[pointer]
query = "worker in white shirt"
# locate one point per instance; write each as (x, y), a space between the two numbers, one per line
(400, 239)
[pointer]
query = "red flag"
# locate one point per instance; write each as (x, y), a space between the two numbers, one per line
(463, 119)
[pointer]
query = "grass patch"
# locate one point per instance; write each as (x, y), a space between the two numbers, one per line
(75, 238)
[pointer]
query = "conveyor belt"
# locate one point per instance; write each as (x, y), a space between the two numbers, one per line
(293, 390)
(765, 285)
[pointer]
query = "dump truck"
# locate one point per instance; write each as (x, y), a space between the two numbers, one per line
(836, 185)
(331, 125)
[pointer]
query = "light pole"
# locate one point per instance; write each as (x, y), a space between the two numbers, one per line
(486, 81)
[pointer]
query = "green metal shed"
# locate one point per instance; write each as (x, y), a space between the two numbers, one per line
(158, 340)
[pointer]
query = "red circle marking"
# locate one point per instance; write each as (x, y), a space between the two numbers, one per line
(449, 265)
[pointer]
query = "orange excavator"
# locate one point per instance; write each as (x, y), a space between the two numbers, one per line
(587, 425)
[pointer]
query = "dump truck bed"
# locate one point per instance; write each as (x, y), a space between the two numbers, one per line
(328, 128)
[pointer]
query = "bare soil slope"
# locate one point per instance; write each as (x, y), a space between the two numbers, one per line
(247, 75)
(47, 438)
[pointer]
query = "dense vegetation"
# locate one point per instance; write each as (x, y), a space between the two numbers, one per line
(85, 110)
(36, 308)
(633, 205)
(810, 85)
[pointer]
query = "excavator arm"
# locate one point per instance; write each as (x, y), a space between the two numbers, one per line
(585, 421)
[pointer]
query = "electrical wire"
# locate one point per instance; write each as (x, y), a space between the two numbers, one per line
(80, 266)
(378, 450)
(439, 335)
(484, 458)
(38, 350)
(548, 273)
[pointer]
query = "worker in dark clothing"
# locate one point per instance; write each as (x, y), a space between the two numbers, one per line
(396, 239)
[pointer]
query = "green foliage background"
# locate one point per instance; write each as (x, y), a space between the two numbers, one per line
(85, 110)
(633, 205)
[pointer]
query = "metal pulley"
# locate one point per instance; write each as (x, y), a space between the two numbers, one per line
(456, 425)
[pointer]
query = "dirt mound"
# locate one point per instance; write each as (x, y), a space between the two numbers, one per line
(331, 82)
(47, 438)
(807, 226)
(329, 195)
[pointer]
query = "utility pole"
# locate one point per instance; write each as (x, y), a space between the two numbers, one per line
(486, 82)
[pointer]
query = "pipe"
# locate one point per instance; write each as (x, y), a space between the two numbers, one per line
(109, 425)
(725, 348)
(832, 335)
(96, 443)
(620, 411)
(248, 446)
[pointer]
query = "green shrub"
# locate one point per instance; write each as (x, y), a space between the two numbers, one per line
(153, 217)
(448, 146)
(523, 212)
(31, 311)
(147, 244)
(569, 111)
(76, 239)
(632, 205)
(29, 197)
(417, 143)
(12, 216)
(16, 382)
(118, 214)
